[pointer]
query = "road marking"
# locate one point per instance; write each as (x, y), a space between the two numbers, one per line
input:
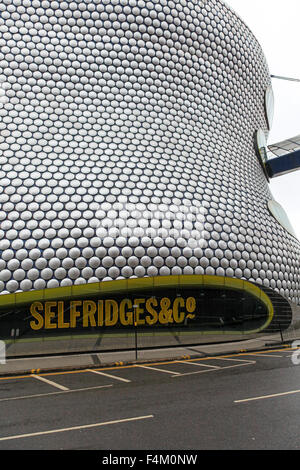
(263, 397)
(213, 370)
(159, 370)
(38, 395)
(285, 348)
(108, 375)
(198, 364)
(264, 355)
(237, 360)
(75, 428)
(49, 382)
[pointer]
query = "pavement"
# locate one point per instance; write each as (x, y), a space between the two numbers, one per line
(39, 364)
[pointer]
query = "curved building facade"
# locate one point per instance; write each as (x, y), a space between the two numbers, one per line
(128, 147)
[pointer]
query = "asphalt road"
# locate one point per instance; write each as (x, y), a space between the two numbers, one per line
(245, 401)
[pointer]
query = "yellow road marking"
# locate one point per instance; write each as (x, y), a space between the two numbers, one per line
(264, 355)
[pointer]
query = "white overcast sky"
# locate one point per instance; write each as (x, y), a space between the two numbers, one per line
(275, 23)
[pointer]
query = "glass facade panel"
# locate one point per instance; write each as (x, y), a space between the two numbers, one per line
(140, 318)
(281, 216)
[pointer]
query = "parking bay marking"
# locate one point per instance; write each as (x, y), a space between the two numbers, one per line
(108, 375)
(159, 370)
(198, 364)
(238, 360)
(193, 361)
(245, 363)
(50, 382)
(75, 428)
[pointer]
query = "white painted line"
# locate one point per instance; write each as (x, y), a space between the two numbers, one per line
(237, 360)
(199, 364)
(159, 370)
(213, 370)
(39, 395)
(263, 397)
(49, 382)
(108, 375)
(75, 428)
